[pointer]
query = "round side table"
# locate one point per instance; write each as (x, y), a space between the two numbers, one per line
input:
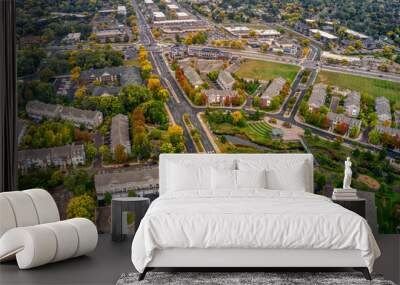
(137, 205)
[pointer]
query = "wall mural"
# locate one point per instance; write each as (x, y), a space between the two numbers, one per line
(105, 86)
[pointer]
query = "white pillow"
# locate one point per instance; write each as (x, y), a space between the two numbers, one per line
(279, 181)
(223, 179)
(289, 174)
(183, 177)
(251, 178)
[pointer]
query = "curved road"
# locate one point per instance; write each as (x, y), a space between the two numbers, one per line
(178, 109)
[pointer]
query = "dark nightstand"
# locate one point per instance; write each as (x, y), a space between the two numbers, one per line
(120, 208)
(356, 205)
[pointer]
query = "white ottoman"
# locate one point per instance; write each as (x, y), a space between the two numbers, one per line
(31, 232)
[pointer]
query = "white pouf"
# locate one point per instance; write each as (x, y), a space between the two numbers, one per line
(31, 230)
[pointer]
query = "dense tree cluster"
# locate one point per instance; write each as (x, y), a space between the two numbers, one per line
(197, 38)
(28, 60)
(96, 57)
(48, 134)
(83, 206)
(46, 178)
(141, 147)
(236, 118)
(375, 18)
(145, 65)
(79, 182)
(194, 94)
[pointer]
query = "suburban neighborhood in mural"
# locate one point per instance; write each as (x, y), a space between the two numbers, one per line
(105, 86)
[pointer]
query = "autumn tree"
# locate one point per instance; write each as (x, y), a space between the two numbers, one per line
(237, 117)
(154, 84)
(80, 92)
(104, 150)
(175, 134)
(141, 147)
(83, 206)
(120, 155)
(374, 137)
(341, 128)
(90, 151)
(75, 73)
(167, 147)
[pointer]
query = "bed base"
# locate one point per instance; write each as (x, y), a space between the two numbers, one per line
(363, 270)
(242, 260)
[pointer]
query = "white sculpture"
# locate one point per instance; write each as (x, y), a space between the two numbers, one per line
(347, 174)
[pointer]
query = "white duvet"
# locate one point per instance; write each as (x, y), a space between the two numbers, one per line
(255, 218)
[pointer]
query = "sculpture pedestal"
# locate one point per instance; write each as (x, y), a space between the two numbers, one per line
(344, 194)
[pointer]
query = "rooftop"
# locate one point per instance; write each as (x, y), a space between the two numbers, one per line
(37, 106)
(274, 88)
(105, 33)
(79, 113)
(172, 6)
(193, 77)
(356, 34)
(208, 65)
(225, 78)
(382, 106)
(120, 131)
(64, 152)
(388, 130)
(334, 117)
(324, 34)
(318, 95)
(329, 55)
(127, 74)
(236, 29)
(158, 14)
(182, 14)
(268, 32)
(353, 98)
(218, 92)
(142, 178)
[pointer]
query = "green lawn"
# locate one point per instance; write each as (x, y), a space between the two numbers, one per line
(374, 87)
(261, 129)
(330, 156)
(267, 70)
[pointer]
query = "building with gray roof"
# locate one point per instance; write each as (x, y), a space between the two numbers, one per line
(318, 96)
(139, 180)
(225, 80)
(121, 75)
(62, 156)
(120, 133)
(382, 108)
(206, 66)
(38, 110)
(335, 119)
(216, 96)
(90, 119)
(352, 104)
(192, 76)
(272, 91)
(388, 130)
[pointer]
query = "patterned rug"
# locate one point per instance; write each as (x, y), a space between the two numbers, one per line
(244, 278)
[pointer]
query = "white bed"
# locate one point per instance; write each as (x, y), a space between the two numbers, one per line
(200, 223)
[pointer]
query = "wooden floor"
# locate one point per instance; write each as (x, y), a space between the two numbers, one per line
(111, 259)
